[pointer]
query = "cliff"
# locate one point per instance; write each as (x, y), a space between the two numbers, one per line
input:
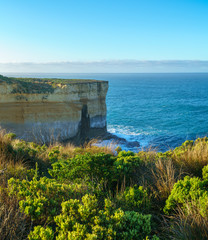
(43, 110)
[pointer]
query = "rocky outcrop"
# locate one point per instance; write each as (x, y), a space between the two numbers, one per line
(74, 110)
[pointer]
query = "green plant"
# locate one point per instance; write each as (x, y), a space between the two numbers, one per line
(99, 168)
(189, 193)
(41, 233)
(41, 199)
(84, 220)
(11, 136)
(205, 172)
(134, 199)
(96, 169)
(54, 154)
(126, 165)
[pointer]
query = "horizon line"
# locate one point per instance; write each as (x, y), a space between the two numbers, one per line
(104, 60)
(105, 73)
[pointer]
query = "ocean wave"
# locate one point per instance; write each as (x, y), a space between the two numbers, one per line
(155, 139)
(131, 134)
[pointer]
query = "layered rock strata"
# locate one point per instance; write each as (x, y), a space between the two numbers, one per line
(73, 110)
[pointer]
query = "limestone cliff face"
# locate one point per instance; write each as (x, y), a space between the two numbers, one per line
(71, 111)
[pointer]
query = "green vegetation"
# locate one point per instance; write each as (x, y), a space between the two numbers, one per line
(39, 85)
(189, 193)
(65, 192)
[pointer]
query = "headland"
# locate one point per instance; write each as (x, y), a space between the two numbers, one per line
(45, 110)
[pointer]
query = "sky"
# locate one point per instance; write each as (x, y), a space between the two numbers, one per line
(104, 36)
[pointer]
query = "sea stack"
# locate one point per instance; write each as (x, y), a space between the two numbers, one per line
(45, 110)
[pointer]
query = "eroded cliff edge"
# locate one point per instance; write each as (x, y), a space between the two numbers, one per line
(45, 110)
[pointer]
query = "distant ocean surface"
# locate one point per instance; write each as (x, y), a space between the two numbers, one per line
(157, 110)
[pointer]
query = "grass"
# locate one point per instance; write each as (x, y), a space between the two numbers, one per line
(187, 227)
(193, 157)
(13, 223)
(164, 178)
(40, 85)
(157, 174)
(69, 150)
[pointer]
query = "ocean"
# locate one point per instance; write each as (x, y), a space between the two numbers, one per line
(160, 111)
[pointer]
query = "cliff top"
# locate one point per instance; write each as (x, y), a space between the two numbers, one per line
(41, 85)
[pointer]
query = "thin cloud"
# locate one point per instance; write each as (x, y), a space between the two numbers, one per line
(107, 66)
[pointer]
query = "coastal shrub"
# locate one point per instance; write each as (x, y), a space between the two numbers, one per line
(53, 155)
(100, 168)
(148, 156)
(126, 165)
(31, 153)
(84, 220)
(118, 149)
(189, 193)
(205, 172)
(41, 233)
(96, 168)
(41, 199)
(28, 149)
(11, 136)
(134, 199)
(54, 206)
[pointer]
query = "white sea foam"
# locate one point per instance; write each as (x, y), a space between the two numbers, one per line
(131, 135)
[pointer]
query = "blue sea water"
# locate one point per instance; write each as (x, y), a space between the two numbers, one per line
(157, 110)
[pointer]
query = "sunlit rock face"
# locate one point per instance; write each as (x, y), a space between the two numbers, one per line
(75, 111)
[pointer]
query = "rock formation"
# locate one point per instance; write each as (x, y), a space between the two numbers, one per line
(44, 110)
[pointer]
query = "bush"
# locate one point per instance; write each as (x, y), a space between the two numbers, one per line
(41, 233)
(84, 220)
(205, 173)
(134, 199)
(126, 165)
(189, 193)
(41, 199)
(99, 168)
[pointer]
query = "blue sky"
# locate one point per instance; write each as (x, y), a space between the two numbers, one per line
(84, 31)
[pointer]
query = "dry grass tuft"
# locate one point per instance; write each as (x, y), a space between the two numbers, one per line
(93, 148)
(10, 164)
(68, 149)
(188, 227)
(14, 225)
(164, 176)
(193, 159)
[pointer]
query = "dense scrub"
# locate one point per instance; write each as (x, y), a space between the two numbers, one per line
(66, 192)
(39, 85)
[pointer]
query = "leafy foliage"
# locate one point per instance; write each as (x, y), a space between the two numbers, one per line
(134, 199)
(41, 199)
(41, 233)
(84, 193)
(100, 168)
(205, 173)
(190, 192)
(84, 220)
